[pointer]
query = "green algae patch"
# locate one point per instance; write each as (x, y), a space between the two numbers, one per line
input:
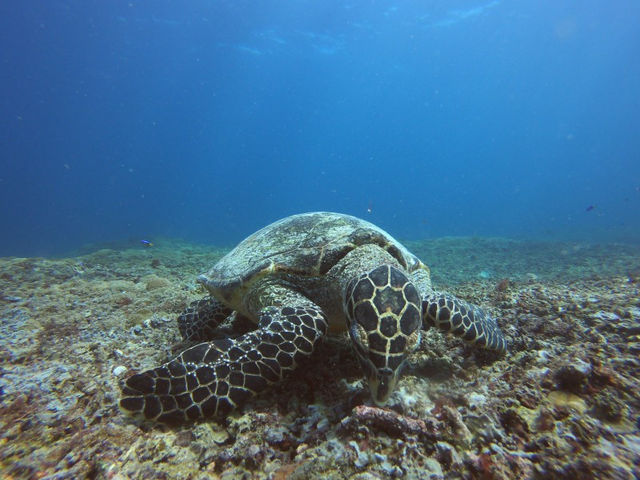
(560, 399)
(153, 282)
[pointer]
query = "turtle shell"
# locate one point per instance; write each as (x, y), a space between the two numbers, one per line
(304, 245)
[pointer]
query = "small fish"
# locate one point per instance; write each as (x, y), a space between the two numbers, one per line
(590, 207)
(146, 243)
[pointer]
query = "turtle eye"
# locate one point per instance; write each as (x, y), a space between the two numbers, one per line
(360, 338)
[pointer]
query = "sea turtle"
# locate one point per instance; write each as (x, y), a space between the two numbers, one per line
(296, 279)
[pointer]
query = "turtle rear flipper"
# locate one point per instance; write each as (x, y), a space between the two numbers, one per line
(467, 321)
(214, 377)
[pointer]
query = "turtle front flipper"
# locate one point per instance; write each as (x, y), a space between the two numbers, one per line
(469, 322)
(200, 319)
(214, 377)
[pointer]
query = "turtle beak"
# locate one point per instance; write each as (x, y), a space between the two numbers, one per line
(382, 384)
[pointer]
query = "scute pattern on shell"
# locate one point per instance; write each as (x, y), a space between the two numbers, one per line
(306, 244)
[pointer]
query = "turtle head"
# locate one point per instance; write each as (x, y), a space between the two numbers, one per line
(383, 310)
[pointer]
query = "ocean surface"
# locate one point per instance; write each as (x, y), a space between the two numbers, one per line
(124, 121)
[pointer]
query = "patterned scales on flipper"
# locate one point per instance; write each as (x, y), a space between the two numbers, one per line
(200, 319)
(469, 322)
(213, 378)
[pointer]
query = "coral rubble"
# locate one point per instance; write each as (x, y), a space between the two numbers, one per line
(563, 403)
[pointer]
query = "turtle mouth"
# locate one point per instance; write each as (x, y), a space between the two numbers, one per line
(382, 383)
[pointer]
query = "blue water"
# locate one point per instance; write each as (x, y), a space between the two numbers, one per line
(205, 120)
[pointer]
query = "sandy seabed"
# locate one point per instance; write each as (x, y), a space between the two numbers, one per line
(563, 403)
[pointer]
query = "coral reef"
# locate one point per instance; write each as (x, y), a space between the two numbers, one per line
(563, 403)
